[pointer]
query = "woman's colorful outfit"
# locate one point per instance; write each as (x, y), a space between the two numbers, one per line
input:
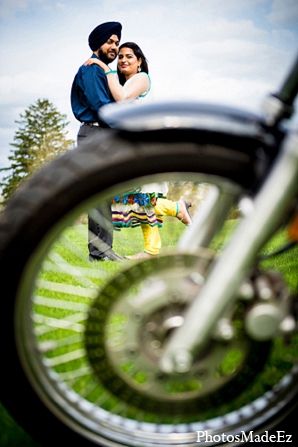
(144, 206)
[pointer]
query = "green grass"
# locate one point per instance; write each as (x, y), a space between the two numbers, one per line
(130, 241)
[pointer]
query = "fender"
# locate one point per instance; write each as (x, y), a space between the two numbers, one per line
(212, 127)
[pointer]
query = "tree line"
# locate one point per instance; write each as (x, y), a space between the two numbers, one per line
(41, 137)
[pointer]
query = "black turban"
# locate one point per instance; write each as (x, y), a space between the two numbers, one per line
(102, 33)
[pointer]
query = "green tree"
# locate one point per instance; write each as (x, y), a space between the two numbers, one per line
(40, 138)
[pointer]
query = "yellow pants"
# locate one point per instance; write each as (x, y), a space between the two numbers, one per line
(152, 239)
(164, 207)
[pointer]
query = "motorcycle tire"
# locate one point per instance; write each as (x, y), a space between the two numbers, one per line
(31, 223)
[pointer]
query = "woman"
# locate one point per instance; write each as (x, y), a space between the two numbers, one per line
(145, 206)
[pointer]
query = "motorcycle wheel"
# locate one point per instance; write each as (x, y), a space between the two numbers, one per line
(43, 333)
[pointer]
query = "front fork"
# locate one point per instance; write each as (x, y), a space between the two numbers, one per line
(220, 289)
(209, 218)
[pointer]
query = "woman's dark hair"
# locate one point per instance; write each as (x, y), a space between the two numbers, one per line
(139, 55)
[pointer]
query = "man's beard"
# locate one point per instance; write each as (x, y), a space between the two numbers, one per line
(107, 57)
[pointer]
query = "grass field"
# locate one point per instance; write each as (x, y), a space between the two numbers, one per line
(127, 242)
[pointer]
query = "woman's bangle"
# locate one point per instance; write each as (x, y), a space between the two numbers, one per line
(111, 72)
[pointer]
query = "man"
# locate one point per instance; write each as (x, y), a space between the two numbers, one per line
(89, 92)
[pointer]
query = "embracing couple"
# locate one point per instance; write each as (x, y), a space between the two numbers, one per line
(94, 86)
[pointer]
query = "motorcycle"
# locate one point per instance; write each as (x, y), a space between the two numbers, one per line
(196, 345)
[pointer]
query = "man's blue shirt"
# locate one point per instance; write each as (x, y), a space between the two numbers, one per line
(89, 92)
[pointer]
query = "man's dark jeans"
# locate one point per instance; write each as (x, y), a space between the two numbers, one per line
(100, 226)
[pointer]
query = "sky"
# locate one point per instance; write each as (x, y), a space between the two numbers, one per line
(231, 52)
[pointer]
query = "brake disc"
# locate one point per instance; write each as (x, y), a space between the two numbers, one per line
(130, 322)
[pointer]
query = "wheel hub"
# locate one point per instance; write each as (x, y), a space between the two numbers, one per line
(130, 322)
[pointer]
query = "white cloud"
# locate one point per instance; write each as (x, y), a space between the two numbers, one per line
(10, 7)
(24, 86)
(228, 29)
(284, 12)
(217, 7)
